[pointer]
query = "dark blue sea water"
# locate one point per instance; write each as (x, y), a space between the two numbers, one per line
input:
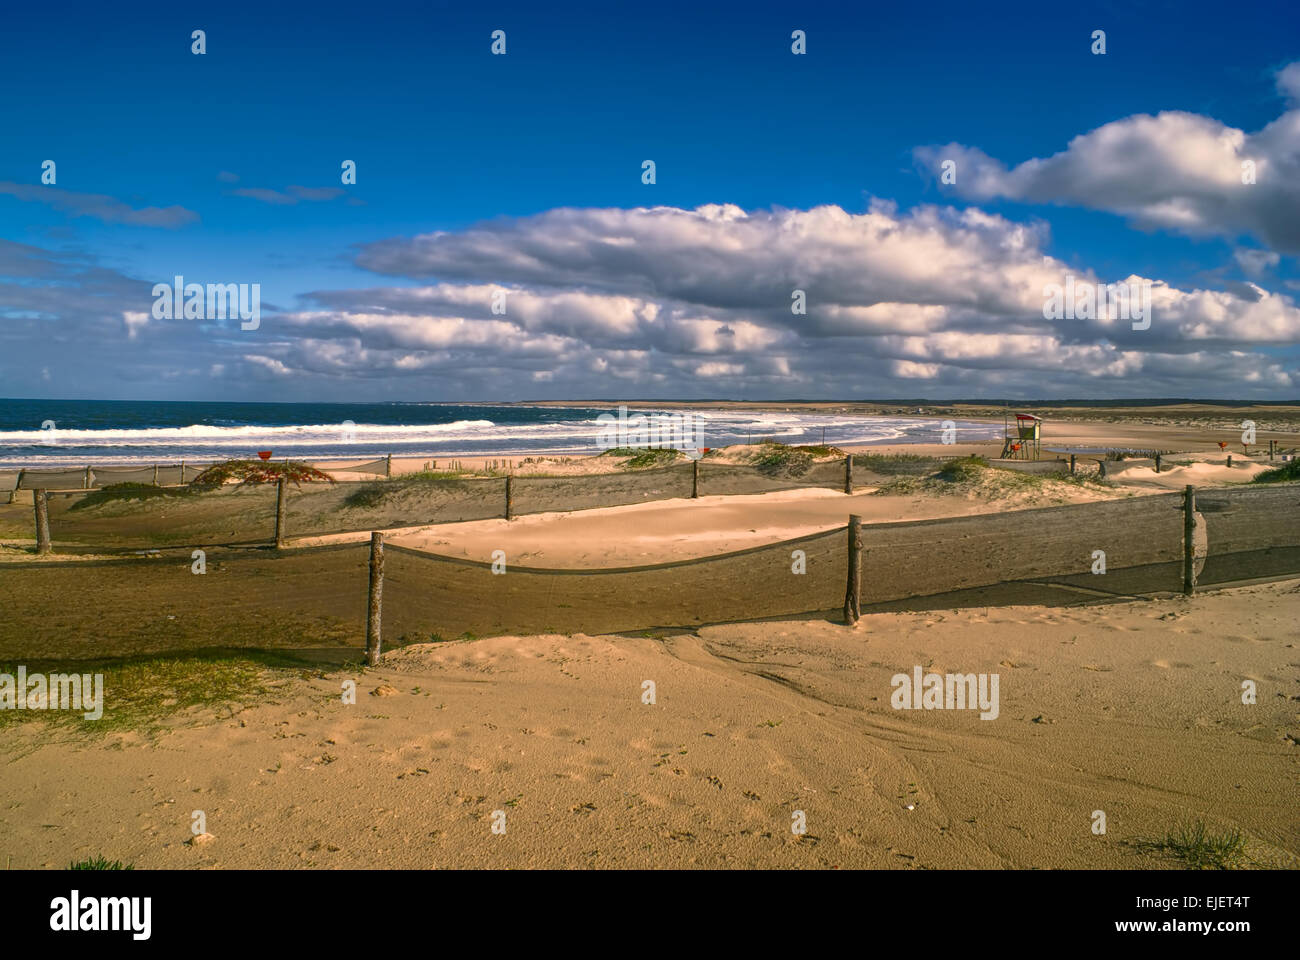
(36, 432)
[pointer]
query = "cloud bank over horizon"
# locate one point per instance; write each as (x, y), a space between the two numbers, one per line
(660, 301)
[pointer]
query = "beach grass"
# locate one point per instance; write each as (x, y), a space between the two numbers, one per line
(100, 863)
(1288, 472)
(1200, 848)
(780, 460)
(640, 459)
(976, 477)
(141, 694)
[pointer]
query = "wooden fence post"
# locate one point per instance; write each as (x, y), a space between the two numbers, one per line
(853, 591)
(182, 473)
(388, 466)
(280, 493)
(1272, 448)
(1189, 545)
(510, 497)
(1157, 463)
(42, 522)
(375, 605)
(695, 479)
(1229, 459)
(848, 474)
(85, 483)
(1071, 464)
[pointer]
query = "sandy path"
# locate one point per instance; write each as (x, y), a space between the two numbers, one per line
(1133, 709)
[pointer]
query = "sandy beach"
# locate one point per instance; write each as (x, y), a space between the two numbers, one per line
(1133, 708)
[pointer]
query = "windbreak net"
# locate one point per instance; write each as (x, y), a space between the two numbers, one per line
(308, 602)
(427, 597)
(161, 474)
(379, 467)
(237, 515)
(1141, 540)
(1251, 532)
(725, 479)
(586, 492)
(53, 479)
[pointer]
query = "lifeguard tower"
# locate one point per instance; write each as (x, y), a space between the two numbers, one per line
(1025, 442)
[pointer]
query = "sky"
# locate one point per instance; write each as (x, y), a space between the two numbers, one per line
(800, 238)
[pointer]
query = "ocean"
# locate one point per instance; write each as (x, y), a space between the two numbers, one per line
(56, 432)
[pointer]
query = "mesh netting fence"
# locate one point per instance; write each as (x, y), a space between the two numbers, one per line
(427, 595)
(236, 514)
(303, 602)
(314, 599)
(1251, 531)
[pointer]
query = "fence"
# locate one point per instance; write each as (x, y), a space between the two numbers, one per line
(158, 474)
(90, 477)
(313, 602)
(238, 515)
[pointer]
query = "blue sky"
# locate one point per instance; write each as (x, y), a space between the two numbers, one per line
(447, 136)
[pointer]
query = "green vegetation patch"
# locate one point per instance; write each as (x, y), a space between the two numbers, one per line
(639, 459)
(258, 472)
(100, 863)
(1199, 848)
(779, 460)
(140, 694)
(977, 477)
(1288, 472)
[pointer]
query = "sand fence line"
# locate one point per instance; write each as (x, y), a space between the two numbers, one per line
(460, 498)
(89, 477)
(1157, 545)
(1167, 550)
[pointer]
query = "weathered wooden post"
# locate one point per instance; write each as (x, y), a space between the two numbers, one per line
(182, 473)
(85, 482)
(695, 479)
(1272, 449)
(155, 474)
(42, 521)
(848, 474)
(375, 605)
(1071, 464)
(280, 494)
(853, 591)
(1189, 538)
(510, 497)
(388, 466)
(1157, 463)
(1229, 459)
